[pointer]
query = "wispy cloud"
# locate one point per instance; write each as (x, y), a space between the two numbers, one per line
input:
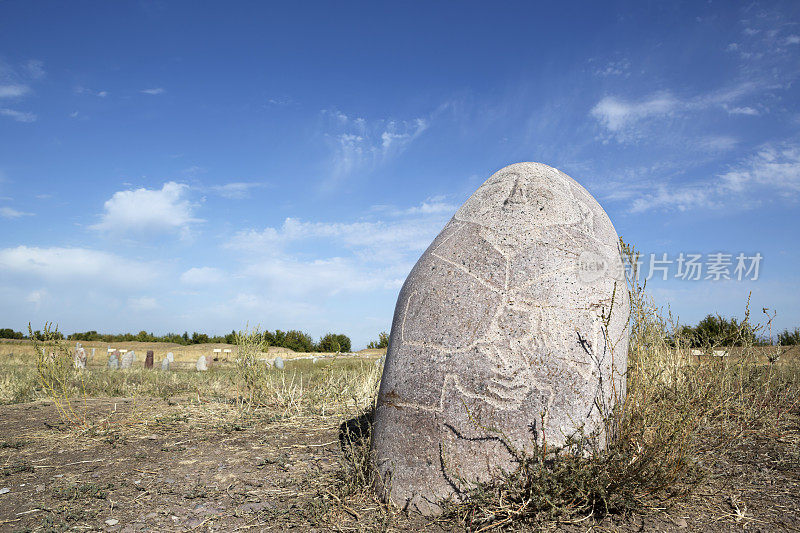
(237, 190)
(91, 92)
(717, 143)
(34, 69)
(202, 276)
(614, 68)
(359, 144)
(775, 167)
(63, 265)
(615, 113)
(371, 255)
(771, 173)
(19, 116)
(376, 240)
(141, 211)
(626, 119)
(154, 91)
(143, 303)
(742, 111)
(10, 212)
(14, 90)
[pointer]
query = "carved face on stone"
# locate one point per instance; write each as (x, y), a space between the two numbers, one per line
(527, 198)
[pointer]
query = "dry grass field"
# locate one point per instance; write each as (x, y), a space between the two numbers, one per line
(704, 443)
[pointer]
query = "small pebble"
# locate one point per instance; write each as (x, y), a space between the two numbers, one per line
(112, 522)
(4, 490)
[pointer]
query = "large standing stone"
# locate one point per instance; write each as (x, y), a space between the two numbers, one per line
(499, 338)
(148, 359)
(165, 364)
(278, 363)
(170, 357)
(201, 365)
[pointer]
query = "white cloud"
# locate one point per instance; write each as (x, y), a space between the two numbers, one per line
(381, 252)
(34, 69)
(776, 167)
(614, 68)
(718, 143)
(359, 144)
(615, 113)
(164, 210)
(13, 90)
(743, 111)
(629, 120)
(154, 91)
(36, 297)
(66, 265)
(322, 277)
(378, 240)
(792, 39)
(84, 90)
(280, 101)
(143, 303)
(9, 212)
(19, 116)
(202, 276)
(236, 190)
(673, 197)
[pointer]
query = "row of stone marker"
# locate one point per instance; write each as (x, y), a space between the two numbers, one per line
(118, 359)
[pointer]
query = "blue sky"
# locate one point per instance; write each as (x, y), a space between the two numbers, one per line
(174, 166)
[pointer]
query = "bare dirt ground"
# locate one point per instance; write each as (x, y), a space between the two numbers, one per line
(184, 465)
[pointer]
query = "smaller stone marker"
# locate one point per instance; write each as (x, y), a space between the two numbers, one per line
(127, 359)
(170, 357)
(92, 354)
(165, 365)
(201, 366)
(148, 360)
(79, 358)
(113, 360)
(278, 363)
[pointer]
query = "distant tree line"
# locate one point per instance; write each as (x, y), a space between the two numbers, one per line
(715, 330)
(296, 340)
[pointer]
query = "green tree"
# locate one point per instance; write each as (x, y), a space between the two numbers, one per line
(199, 338)
(334, 342)
(8, 333)
(382, 342)
(299, 341)
(789, 338)
(715, 330)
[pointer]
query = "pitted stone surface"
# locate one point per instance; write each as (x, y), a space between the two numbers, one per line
(499, 337)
